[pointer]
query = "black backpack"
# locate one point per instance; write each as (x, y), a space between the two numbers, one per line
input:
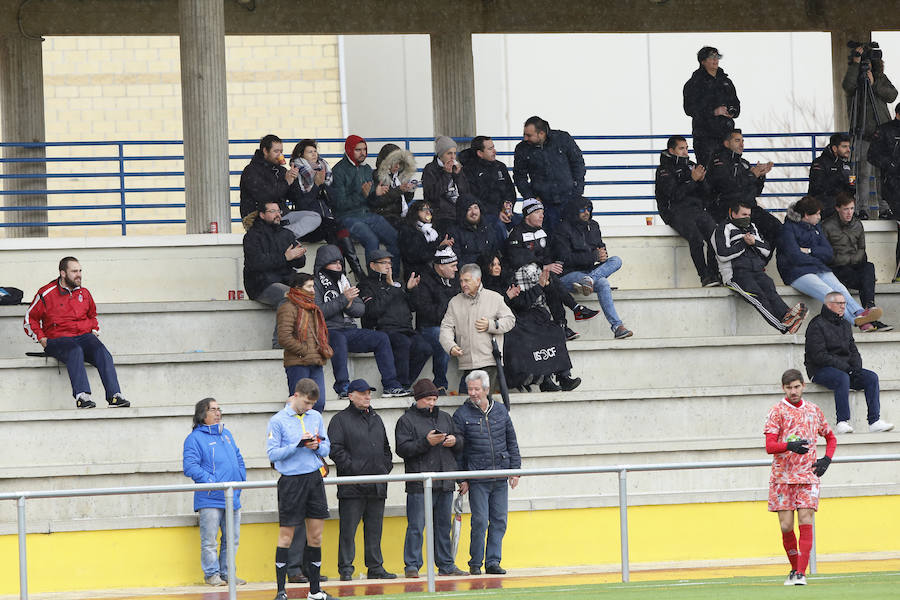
(10, 295)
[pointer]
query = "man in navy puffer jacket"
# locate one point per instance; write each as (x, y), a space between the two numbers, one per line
(211, 456)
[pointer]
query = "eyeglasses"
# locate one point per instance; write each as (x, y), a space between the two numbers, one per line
(428, 210)
(272, 210)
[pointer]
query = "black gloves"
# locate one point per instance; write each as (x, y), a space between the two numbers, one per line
(821, 466)
(798, 446)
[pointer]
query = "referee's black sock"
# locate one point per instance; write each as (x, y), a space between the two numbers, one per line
(312, 558)
(281, 559)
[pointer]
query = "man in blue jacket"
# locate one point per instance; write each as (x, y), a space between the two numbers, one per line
(211, 456)
(490, 443)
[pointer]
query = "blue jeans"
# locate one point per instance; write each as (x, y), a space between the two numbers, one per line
(439, 358)
(415, 525)
(601, 287)
(841, 383)
(361, 340)
(819, 285)
(489, 502)
(369, 231)
(314, 372)
(212, 520)
(74, 351)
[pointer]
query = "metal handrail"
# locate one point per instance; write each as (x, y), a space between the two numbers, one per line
(120, 174)
(427, 479)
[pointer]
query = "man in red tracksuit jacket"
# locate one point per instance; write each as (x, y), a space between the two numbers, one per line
(63, 319)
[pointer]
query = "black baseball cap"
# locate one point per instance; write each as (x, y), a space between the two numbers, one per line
(359, 385)
(708, 52)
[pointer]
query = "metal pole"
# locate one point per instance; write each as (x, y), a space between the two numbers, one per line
(623, 524)
(23, 558)
(813, 567)
(229, 541)
(429, 533)
(122, 185)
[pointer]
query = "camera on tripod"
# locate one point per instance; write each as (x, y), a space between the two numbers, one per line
(870, 51)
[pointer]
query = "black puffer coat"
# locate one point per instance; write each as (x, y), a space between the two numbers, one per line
(263, 182)
(359, 446)
(675, 188)
(472, 242)
(703, 93)
(430, 298)
(264, 261)
(489, 181)
(553, 172)
(575, 241)
(387, 306)
(829, 175)
(490, 438)
(418, 455)
(731, 180)
(829, 343)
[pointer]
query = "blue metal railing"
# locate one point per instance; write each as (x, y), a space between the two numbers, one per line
(604, 155)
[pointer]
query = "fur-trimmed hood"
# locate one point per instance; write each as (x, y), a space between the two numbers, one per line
(791, 214)
(388, 157)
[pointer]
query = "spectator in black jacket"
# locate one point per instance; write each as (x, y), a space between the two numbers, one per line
(418, 239)
(443, 182)
(528, 243)
(472, 236)
(395, 169)
(884, 153)
(271, 255)
(359, 446)
(490, 444)
(829, 174)
(742, 253)
(733, 179)
(712, 103)
(489, 181)
(681, 191)
(387, 310)
(429, 299)
(832, 360)
(427, 441)
(548, 167)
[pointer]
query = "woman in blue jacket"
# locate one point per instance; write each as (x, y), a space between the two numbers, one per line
(803, 257)
(211, 456)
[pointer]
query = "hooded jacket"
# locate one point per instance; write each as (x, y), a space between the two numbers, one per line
(575, 241)
(211, 456)
(848, 240)
(387, 306)
(436, 183)
(490, 437)
(458, 327)
(489, 181)
(264, 261)
(829, 175)
(416, 252)
(794, 263)
(359, 446)
(702, 94)
(731, 180)
(339, 312)
(884, 153)
(829, 343)
(430, 298)
(471, 242)
(421, 457)
(553, 171)
(735, 255)
(346, 192)
(389, 205)
(884, 91)
(263, 182)
(675, 188)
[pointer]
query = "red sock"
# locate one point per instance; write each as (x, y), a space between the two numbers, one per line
(790, 546)
(806, 541)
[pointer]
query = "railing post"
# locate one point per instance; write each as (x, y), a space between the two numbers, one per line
(229, 540)
(813, 567)
(429, 532)
(623, 524)
(813, 146)
(23, 556)
(121, 147)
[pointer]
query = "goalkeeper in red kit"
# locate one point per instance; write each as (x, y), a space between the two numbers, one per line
(792, 427)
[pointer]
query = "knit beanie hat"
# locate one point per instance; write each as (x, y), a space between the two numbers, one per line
(350, 144)
(445, 256)
(442, 144)
(424, 388)
(530, 205)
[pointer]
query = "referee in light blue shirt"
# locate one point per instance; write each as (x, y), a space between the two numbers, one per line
(296, 442)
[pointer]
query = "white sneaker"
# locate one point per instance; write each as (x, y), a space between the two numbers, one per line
(790, 578)
(879, 426)
(800, 579)
(844, 427)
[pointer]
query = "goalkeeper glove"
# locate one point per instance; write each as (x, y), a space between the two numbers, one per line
(821, 466)
(798, 446)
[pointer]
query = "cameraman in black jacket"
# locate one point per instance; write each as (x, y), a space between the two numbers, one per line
(712, 103)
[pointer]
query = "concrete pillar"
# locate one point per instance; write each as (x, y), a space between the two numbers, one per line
(453, 84)
(839, 53)
(204, 115)
(22, 120)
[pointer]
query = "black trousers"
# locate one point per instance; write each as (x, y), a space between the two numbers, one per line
(371, 511)
(696, 226)
(859, 277)
(411, 352)
(557, 298)
(758, 289)
(704, 148)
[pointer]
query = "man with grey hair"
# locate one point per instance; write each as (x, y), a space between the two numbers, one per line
(490, 444)
(472, 318)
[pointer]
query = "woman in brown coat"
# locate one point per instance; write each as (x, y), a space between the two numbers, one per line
(304, 336)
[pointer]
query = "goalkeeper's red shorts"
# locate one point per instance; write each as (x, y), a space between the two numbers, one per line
(791, 496)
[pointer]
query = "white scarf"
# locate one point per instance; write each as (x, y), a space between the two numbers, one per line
(427, 230)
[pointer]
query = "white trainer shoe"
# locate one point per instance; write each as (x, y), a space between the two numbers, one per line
(879, 426)
(790, 578)
(800, 579)
(843, 427)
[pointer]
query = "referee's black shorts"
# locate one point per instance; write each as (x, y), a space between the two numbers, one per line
(301, 497)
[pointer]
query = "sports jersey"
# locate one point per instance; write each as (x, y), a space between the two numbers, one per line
(805, 421)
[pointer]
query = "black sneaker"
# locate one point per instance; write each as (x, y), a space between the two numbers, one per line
(118, 401)
(879, 326)
(343, 394)
(281, 596)
(568, 383)
(548, 385)
(382, 574)
(451, 572)
(474, 570)
(583, 313)
(571, 335)
(322, 595)
(347, 576)
(710, 281)
(494, 570)
(622, 332)
(85, 402)
(397, 392)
